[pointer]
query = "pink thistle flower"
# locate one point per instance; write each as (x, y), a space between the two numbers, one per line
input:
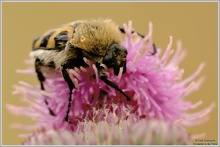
(154, 82)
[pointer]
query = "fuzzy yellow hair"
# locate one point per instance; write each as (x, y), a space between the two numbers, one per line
(96, 35)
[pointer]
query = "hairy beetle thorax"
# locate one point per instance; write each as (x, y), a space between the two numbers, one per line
(95, 36)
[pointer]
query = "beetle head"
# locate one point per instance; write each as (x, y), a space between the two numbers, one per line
(116, 58)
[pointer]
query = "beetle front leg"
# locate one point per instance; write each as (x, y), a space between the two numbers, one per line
(103, 76)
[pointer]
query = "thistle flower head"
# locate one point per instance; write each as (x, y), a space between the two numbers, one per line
(154, 82)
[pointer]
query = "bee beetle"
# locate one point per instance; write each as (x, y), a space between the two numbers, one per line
(62, 48)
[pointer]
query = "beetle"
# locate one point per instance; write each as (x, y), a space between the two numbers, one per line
(64, 47)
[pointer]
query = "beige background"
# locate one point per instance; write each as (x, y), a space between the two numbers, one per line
(196, 24)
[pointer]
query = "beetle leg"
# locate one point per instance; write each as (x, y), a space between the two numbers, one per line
(41, 78)
(103, 76)
(142, 36)
(123, 31)
(70, 64)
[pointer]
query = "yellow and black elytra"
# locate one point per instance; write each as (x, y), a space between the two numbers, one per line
(62, 48)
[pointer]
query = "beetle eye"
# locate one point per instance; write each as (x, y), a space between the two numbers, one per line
(116, 58)
(108, 60)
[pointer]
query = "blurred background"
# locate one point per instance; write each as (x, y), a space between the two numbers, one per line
(194, 23)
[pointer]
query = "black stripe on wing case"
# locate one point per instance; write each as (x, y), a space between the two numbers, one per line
(45, 40)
